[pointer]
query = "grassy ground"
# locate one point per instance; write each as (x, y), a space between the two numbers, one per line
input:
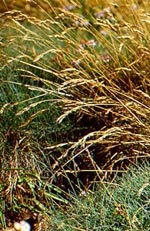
(121, 205)
(74, 111)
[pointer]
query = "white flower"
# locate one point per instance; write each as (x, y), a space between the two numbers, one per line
(22, 226)
(91, 43)
(70, 7)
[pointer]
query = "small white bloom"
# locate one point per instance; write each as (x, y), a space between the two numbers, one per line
(70, 7)
(81, 22)
(103, 32)
(91, 43)
(22, 226)
(83, 193)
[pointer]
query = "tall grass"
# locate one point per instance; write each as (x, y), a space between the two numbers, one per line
(84, 70)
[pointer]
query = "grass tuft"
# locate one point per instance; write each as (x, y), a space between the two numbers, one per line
(74, 99)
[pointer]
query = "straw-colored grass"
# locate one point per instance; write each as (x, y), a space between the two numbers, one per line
(75, 97)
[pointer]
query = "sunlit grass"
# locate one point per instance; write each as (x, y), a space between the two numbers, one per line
(74, 98)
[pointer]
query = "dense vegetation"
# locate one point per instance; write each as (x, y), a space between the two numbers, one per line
(74, 105)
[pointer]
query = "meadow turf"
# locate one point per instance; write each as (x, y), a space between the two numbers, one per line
(74, 111)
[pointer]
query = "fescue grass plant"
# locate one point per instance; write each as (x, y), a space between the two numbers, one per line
(119, 205)
(74, 99)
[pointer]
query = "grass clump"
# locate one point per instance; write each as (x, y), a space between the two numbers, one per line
(119, 205)
(74, 105)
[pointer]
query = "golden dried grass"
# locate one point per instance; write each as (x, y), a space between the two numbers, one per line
(95, 68)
